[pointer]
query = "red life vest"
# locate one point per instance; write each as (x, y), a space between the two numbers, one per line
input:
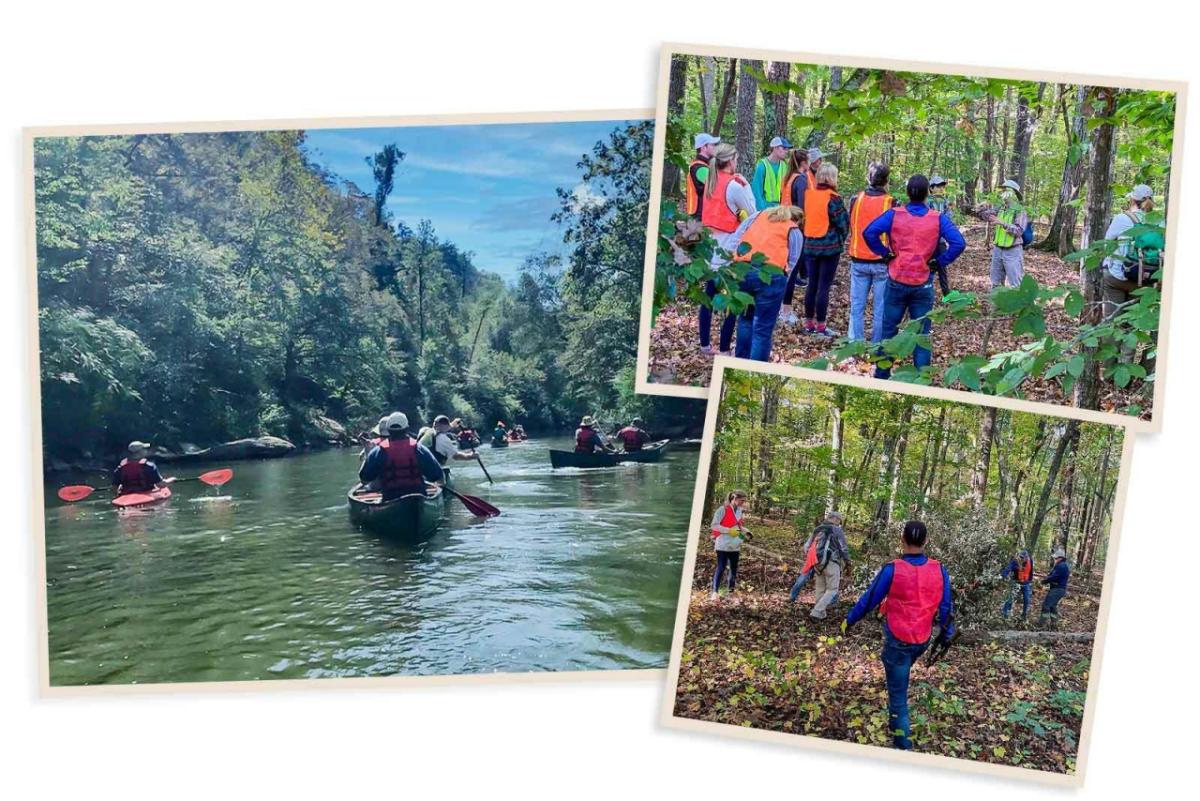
(913, 600)
(716, 214)
(631, 437)
(585, 440)
(768, 238)
(695, 193)
(914, 240)
(1024, 574)
(816, 211)
(867, 209)
(401, 473)
(728, 520)
(134, 476)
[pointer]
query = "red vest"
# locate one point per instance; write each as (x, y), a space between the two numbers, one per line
(867, 209)
(1024, 574)
(816, 211)
(768, 238)
(401, 472)
(134, 477)
(631, 437)
(584, 440)
(914, 240)
(728, 520)
(717, 215)
(913, 600)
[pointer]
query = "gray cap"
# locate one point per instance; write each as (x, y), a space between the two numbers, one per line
(703, 139)
(1059, 554)
(936, 180)
(815, 153)
(780, 141)
(138, 446)
(1141, 192)
(1009, 183)
(397, 421)
(835, 515)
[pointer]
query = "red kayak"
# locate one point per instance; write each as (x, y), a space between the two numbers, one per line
(133, 499)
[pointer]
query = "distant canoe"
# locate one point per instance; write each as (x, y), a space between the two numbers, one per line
(499, 443)
(131, 500)
(651, 453)
(409, 517)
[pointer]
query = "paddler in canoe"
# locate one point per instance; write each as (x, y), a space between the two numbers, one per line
(467, 439)
(588, 439)
(438, 440)
(136, 473)
(500, 435)
(399, 465)
(518, 433)
(633, 436)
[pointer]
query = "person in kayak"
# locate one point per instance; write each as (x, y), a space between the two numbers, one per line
(444, 447)
(399, 465)
(136, 473)
(588, 439)
(633, 436)
(912, 592)
(499, 433)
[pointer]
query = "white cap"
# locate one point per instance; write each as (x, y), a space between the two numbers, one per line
(1141, 192)
(1011, 184)
(397, 421)
(139, 447)
(703, 139)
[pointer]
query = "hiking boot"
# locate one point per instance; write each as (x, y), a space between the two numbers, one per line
(706, 350)
(827, 332)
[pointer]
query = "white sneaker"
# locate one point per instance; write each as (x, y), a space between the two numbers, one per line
(714, 597)
(706, 350)
(725, 352)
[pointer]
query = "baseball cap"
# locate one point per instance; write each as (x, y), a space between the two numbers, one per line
(780, 141)
(703, 139)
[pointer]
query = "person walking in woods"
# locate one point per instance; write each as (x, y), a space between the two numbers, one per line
(775, 233)
(811, 557)
(868, 270)
(442, 444)
(826, 224)
(399, 465)
(588, 439)
(1056, 580)
(1136, 259)
(728, 534)
(937, 195)
(769, 172)
(697, 173)
(136, 473)
(913, 232)
(792, 194)
(1020, 567)
(912, 592)
(832, 559)
(633, 436)
(1008, 239)
(727, 202)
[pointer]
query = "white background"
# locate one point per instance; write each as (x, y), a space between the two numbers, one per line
(126, 62)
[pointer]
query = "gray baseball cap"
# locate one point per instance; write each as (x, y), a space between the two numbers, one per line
(703, 139)
(1141, 192)
(780, 141)
(815, 153)
(936, 180)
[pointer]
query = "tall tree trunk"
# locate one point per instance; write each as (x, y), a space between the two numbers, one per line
(1087, 387)
(1005, 110)
(776, 104)
(1067, 506)
(675, 89)
(1061, 237)
(983, 461)
(1027, 118)
(1070, 434)
(989, 144)
(746, 108)
(898, 468)
(837, 411)
(706, 74)
(730, 83)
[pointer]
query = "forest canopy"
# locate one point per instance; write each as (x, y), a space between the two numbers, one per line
(195, 288)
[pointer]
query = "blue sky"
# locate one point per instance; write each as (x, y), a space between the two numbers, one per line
(488, 189)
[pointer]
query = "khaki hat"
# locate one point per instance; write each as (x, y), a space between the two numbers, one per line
(588, 421)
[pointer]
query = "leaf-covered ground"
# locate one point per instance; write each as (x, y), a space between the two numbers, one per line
(753, 659)
(675, 356)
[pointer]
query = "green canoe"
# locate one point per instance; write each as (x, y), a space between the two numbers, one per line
(651, 453)
(409, 517)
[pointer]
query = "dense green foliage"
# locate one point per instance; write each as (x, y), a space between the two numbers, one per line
(196, 288)
(976, 132)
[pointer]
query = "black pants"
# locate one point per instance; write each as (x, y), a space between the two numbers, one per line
(730, 559)
(799, 273)
(821, 270)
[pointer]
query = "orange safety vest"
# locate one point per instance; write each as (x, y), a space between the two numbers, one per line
(695, 197)
(717, 215)
(768, 238)
(913, 600)
(867, 209)
(816, 212)
(785, 192)
(1024, 574)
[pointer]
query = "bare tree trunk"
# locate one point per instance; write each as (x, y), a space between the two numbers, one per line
(983, 462)
(707, 77)
(898, 468)
(746, 108)
(1061, 237)
(989, 143)
(675, 88)
(1066, 509)
(835, 469)
(730, 82)
(1004, 151)
(1022, 136)
(1064, 443)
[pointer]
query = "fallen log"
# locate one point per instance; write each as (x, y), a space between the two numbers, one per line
(1027, 636)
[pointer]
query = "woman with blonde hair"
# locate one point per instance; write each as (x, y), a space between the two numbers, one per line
(826, 223)
(728, 201)
(774, 233)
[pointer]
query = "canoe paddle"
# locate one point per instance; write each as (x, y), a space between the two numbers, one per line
(476, 506)
(485, 472)
(213, 478)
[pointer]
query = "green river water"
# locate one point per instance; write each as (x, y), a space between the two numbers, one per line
(271, 581)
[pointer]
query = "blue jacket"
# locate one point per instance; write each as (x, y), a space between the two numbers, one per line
(955, 244)
(882, 583)
(1011, 569)
(1058, 575)
(376, 459)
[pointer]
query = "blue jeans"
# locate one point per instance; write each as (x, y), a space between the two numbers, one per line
(821, 270)
(1026, 598)
(706, 322)
(867, 277)
(898, 658)
(1050, 602)
(756, 326)
(916, 301)
(726, 559)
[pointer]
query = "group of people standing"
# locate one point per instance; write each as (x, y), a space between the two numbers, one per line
(911, 592)
(792, 213)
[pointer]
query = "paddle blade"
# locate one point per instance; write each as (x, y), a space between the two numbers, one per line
(75, 493)
(477, 506)
(215, 478)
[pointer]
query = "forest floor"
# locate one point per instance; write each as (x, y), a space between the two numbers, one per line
(753, 659)
(675, 356)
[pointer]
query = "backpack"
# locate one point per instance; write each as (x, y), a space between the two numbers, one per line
(1027, 234)
(1143, 256)
(823, 544)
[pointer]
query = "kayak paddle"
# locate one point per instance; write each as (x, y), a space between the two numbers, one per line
(485, 472)
(476, 506)
(77, 492)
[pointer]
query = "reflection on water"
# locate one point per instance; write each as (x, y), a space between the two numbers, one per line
(270, 580)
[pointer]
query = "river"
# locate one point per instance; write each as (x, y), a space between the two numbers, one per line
(271, 581)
